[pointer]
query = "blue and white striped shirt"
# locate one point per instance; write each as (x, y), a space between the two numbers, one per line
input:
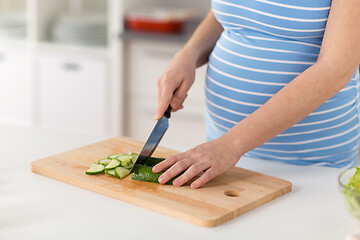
(266, 44)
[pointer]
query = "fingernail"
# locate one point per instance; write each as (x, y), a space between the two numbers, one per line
(160, 180)
(176, 183)
(193, 186)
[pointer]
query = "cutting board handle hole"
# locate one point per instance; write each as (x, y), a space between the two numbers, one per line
(232, 193)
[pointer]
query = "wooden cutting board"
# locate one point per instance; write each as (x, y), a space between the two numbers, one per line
(224, 198)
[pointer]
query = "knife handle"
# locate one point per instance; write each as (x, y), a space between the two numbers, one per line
(168, 112)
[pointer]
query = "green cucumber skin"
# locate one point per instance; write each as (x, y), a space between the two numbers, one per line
(145, 173)
(95, 168)
(109, 172)
(93, 173)
(152, 161)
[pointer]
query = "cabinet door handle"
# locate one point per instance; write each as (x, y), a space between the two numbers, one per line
(71, 66)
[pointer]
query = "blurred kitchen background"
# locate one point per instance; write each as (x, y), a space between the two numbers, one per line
(91, 66)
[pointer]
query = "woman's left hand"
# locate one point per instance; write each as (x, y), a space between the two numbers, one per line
(214, 158)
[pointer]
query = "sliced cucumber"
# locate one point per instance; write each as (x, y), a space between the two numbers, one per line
(129, 166)
(114, 156)
(135, 157)
(105, 161)
(125, 160)
(113, 164)
(121, 172)
(95, 168)
(119, 165)
(110, 172)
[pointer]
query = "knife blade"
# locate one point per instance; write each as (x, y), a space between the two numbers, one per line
(154, 139)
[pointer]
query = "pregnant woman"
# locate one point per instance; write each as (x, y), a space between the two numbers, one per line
(282, 84)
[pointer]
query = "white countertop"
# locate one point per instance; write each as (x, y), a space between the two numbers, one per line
(37, 207)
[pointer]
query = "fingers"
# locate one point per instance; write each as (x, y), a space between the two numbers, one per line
(165, 164)
(190, 173)
(176, 169)
(179, 96)
(207, 176)
(164, 100)
(179, 108)
(159, 93)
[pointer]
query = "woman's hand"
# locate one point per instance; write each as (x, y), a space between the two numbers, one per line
(178, 77)
(175, 82)
(213, 158)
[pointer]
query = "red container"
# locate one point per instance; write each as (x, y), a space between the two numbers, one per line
(153, 25)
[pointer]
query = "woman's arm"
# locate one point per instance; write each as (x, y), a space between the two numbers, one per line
(179, 76)
(339, 57)
(203, 40)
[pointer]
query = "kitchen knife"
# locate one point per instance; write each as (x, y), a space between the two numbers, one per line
(154, 138)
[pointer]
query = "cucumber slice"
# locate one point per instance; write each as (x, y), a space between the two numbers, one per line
(95, 168)
(145, 173)
(104, 162)
(121, 172)
(113, 164)
(129, 166)
(135, 157)
(110, 172)
(114, 156)
(125, 160)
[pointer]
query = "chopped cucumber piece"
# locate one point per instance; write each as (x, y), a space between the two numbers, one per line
(121, 172)
(129, 166)
(114, 156)
(119, 165)
(110, 172)
(113, 164)
(135, 157)
(125, 160)
(95, 168)
(104, 162)
(145, 173)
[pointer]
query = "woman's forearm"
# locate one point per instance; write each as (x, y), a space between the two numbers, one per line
(290, 105)
(203, 40)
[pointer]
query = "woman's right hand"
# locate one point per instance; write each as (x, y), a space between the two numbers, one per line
(175, 82)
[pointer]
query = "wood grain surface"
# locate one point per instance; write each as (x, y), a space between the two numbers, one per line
(224, 198)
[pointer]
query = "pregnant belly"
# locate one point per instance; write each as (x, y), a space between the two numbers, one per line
(245, 71)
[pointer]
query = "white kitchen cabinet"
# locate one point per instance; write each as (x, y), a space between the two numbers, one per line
(72, 94)
(146, 60)
(15, 88)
